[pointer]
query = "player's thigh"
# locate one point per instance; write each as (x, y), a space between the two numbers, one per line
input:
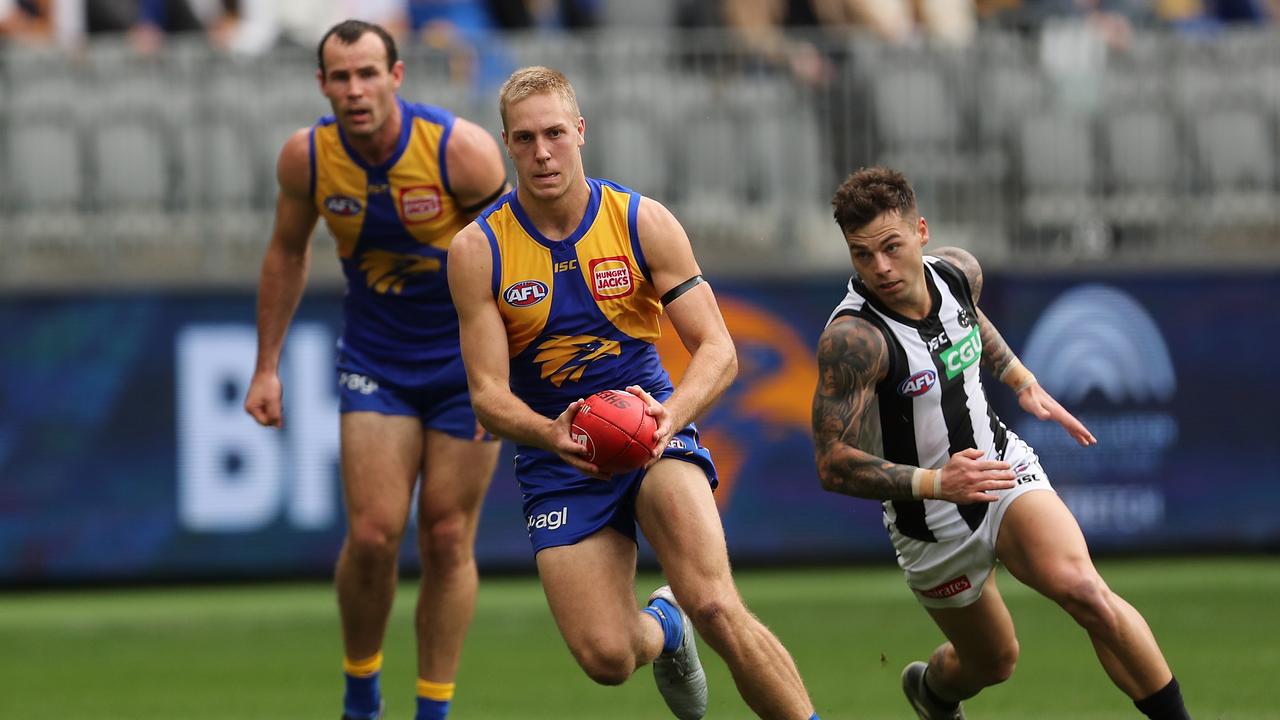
(1041, 544)
(381, 455)
(455, 476)
(982, 631)
(678, 515)
(590, 588)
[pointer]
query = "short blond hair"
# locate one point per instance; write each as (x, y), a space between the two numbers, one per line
(536, 80)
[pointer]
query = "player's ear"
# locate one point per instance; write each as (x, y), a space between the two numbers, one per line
(582, 131)
(397, 73)
(922, 229)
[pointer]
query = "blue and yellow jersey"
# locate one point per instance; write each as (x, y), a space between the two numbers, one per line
(393, 223)
(581, 313)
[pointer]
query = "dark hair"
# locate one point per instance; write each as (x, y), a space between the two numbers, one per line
(349, 31)
(867, 193)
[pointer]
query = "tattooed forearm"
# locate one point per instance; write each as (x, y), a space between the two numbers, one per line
(996, 353)
(852, 359)
(850, 471)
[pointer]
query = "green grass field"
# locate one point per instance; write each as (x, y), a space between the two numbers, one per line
(272, 652)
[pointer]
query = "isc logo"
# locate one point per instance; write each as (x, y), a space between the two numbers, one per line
(918, 384)
(525, 293)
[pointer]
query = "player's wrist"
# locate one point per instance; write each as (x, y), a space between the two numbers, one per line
(926, 483)
(1017, 377)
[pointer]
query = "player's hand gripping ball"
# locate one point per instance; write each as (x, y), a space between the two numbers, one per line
(616, 430)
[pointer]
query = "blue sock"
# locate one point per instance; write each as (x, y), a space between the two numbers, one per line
(363, 696)
(432, 709)
(671, 621)
(814, 716)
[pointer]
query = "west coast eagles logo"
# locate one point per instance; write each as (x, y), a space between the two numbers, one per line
(565, 357)
(386, 271)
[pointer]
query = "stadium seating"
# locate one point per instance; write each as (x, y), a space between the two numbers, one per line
(1170, 138)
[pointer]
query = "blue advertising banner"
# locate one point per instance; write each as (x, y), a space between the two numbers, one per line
(125, 453)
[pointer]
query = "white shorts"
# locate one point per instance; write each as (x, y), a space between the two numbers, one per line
(951, 573)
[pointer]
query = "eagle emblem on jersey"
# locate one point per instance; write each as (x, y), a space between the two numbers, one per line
(566, 357)
(386, 271)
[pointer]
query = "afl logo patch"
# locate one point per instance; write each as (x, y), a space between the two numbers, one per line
(344, 205)
(918, 384)
(420, 203)
(611, 278)
(525, 293)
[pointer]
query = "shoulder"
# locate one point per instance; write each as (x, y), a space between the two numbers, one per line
(654, 219)
(467, 139)
(294, 165)
(470, 241)
(852, 352)
(966, 263)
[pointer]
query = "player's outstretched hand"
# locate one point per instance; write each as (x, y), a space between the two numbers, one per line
(967, 478)
(662, 434)
(570, 450)
(263, 401)
(1037, 401)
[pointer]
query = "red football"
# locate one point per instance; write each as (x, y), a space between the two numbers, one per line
(616, 431)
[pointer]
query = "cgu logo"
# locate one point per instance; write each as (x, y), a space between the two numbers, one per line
(963, 354)
(344, 205)
(918, 384)
(525, 293)
(549, 520)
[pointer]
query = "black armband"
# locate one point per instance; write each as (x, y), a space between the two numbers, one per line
(681, 289)
(485, 202)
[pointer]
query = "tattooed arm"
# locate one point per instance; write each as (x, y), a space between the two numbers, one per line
(852, 358)
(999, 359)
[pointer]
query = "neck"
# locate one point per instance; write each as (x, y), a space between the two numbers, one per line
(557, 218)
(376, 148)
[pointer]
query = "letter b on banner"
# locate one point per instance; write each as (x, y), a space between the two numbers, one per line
(234, 475)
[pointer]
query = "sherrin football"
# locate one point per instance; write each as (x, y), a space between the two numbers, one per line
(616, 430)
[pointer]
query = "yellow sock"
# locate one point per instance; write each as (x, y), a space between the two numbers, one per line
(440, 692)
(362, 668)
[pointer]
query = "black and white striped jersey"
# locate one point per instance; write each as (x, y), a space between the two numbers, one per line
(931, 404)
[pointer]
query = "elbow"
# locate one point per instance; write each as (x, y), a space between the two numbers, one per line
(483, 405)
(825, 476)
(730, 371)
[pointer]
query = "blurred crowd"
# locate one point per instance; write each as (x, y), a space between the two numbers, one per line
(254, 26)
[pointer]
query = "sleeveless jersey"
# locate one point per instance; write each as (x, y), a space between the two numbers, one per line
(393, 224)
(581, 314)
(931, 403)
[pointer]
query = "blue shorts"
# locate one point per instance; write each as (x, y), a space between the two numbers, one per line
(441, 400)
(562, 506)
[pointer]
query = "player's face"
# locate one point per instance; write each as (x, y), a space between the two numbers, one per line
(888, 254)
(358, 84)
(544, 139)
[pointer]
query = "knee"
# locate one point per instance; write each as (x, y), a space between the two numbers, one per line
(1001, 665)
(712, 616)
(371, 539)
(606, 666)
(1088, 599)
(444, 541)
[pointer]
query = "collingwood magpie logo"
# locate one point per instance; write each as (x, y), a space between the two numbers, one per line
(565, 357)
(386, 271)
(1097, 338)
